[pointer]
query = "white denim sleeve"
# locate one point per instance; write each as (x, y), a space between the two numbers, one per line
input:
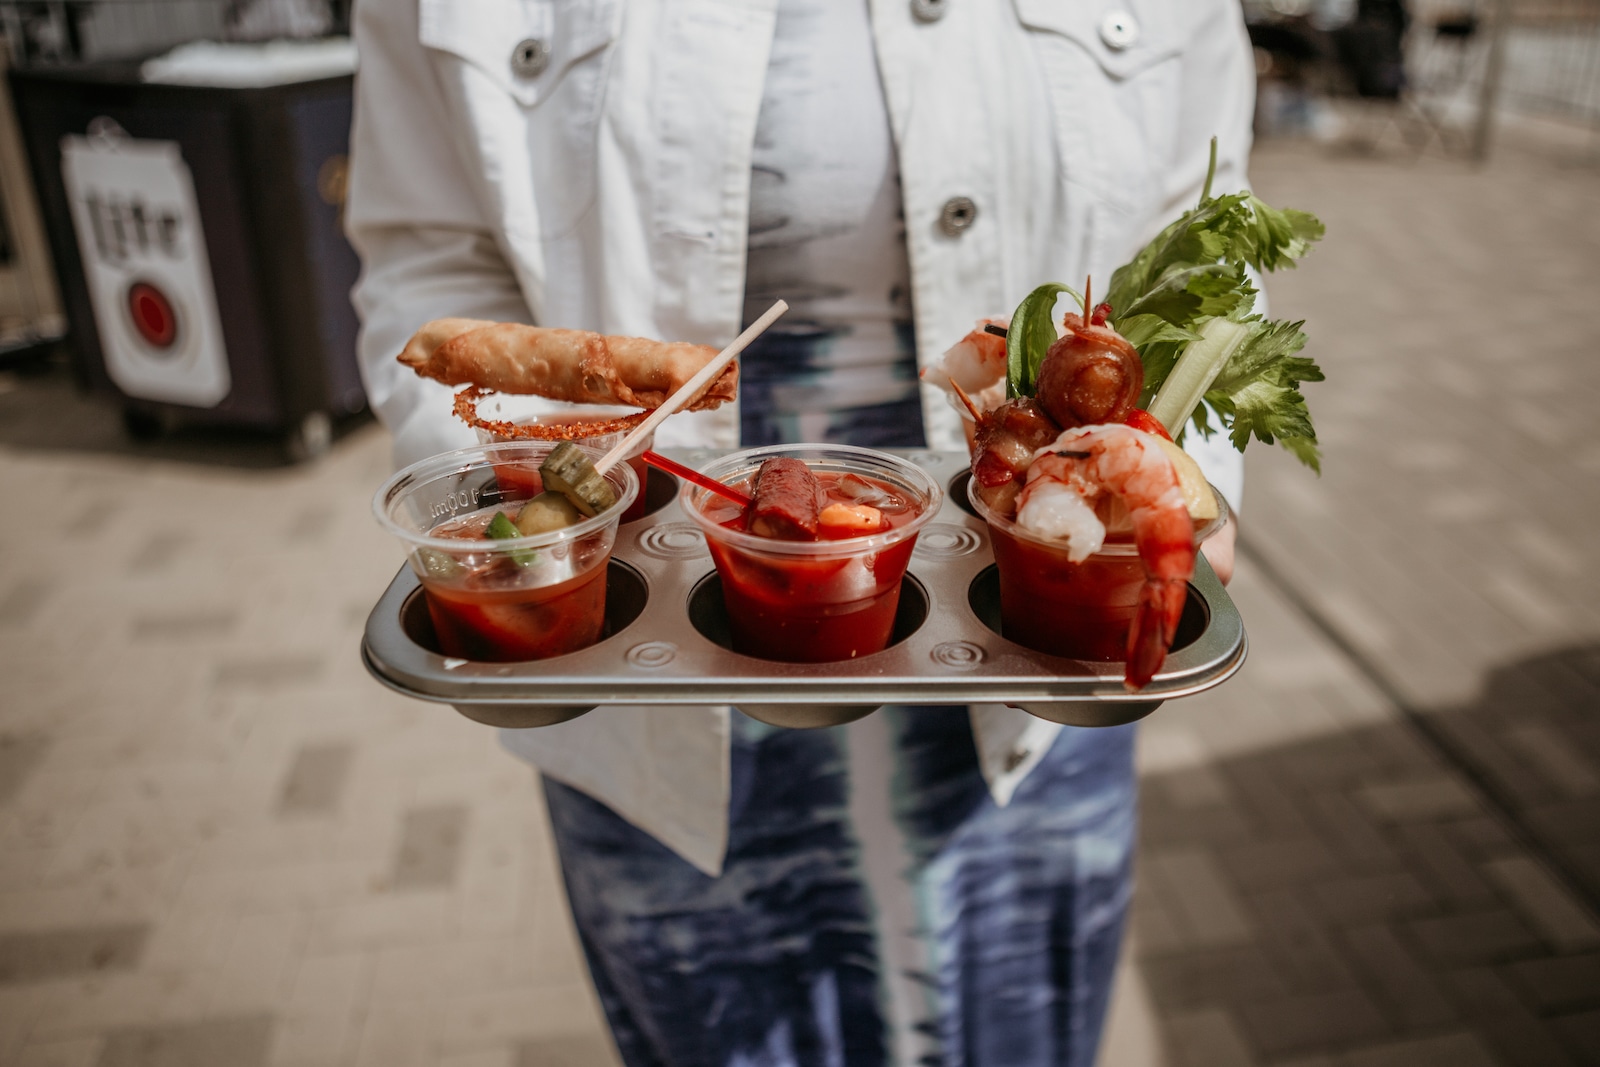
(427, 248)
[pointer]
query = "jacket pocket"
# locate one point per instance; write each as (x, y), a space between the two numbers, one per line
(546, 64)
(1114, 72)
(527, 47)
(1124, 36)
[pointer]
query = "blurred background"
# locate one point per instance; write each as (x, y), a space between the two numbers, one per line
(222, 843)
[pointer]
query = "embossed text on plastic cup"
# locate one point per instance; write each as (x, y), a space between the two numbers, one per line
(521, 598)
(813, 601)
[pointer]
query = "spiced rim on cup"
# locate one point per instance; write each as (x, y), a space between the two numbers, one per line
(822, 459)
(578, 424)
(463, 461)
(1126, 548)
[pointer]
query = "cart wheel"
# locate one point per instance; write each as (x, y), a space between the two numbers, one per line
(312, 438)
(145, 426)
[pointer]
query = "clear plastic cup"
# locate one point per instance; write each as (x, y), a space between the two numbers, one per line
(522, 598)
(969, 425)
(569, 425)
(1077, 610)
(812, 601)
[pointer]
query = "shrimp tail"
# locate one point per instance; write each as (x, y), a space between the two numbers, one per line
(1155, 624)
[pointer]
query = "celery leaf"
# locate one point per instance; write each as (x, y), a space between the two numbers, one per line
(1257, 391)
(1196, 270)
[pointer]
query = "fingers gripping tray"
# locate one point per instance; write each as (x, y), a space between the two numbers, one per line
(667, 639)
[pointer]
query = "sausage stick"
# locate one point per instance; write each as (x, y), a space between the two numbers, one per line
(690, 388)
(785, 505)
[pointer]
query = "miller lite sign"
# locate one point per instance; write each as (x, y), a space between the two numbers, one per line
(144, 257)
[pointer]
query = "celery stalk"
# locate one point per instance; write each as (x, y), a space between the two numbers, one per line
(1194, 372)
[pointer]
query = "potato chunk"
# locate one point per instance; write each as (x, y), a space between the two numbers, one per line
(546, 512)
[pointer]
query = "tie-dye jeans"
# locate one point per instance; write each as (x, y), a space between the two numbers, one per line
(876, 906)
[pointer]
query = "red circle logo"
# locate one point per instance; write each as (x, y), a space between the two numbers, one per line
(153, 315)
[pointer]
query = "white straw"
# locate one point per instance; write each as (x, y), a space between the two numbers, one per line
(690, 389)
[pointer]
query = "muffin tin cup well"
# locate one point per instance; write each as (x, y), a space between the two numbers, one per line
(667, 642)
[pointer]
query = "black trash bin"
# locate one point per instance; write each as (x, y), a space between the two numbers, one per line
(196, 233)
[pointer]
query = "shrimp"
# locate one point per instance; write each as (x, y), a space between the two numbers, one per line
(976, 364)
(1070, 475)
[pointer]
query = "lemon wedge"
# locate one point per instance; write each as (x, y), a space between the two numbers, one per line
(1197, 494)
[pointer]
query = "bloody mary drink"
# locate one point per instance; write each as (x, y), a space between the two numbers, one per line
(492, 593)
(1050, 604)
(1077, 610)
(488, 611)
(814, 601)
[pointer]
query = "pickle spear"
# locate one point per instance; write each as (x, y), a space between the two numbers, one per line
(568, 471)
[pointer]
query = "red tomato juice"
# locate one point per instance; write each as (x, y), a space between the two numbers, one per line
(1050, 604)
(509, 625)
(487, 613)
(815, 608)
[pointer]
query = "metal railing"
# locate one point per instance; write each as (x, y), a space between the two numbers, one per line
(1552, 58)
(1537, 57)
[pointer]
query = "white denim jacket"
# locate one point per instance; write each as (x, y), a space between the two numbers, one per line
(586, 163)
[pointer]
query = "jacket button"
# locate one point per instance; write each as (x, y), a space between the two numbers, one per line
(957, 215)
(1119, 30)
(928, 10)
(530, 57)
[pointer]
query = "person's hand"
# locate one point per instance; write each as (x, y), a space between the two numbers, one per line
(1218, 549)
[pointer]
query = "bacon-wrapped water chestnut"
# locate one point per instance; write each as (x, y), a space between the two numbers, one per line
(1091, 374)
(1006, 440)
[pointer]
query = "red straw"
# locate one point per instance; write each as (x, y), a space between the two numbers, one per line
(656, 459)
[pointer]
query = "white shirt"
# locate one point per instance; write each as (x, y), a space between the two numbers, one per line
(607, 187)
(827, 237)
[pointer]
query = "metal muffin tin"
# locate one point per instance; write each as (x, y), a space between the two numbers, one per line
(667, 639)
